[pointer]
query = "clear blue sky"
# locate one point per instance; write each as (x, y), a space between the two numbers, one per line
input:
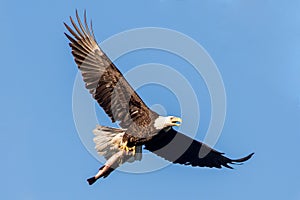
(256, 46)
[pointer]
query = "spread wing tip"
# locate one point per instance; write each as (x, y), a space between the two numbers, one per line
(240, 160)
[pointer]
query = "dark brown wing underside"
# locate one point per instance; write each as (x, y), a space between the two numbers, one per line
(104, 81)
(178, 148)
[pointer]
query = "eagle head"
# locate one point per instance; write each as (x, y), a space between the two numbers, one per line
(166, 122)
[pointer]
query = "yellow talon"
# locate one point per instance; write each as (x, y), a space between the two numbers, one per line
(124, 148)
(127, 149)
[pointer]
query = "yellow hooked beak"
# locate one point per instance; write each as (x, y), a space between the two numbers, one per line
(176, 121)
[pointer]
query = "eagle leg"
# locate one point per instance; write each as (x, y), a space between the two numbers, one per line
(124, 147)
(109, 166)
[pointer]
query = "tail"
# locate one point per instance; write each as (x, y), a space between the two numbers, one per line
(108, 140)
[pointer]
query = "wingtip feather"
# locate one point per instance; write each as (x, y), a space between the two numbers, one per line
(243, 159)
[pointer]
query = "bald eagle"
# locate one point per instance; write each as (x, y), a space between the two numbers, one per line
(139, 125)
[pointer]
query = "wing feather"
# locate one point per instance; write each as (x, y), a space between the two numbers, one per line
(102, 78)
(179, 148)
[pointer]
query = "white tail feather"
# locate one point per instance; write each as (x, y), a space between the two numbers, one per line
(108, 141)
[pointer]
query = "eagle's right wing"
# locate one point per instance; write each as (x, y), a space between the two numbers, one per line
(179, 148)
(104, 81)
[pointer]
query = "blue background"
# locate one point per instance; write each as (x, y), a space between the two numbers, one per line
(255, 45)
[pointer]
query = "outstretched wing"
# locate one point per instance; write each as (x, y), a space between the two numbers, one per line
(103, 80)
(178, 148)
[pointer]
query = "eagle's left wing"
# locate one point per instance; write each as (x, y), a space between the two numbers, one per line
(179, 148)
(104, 81)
